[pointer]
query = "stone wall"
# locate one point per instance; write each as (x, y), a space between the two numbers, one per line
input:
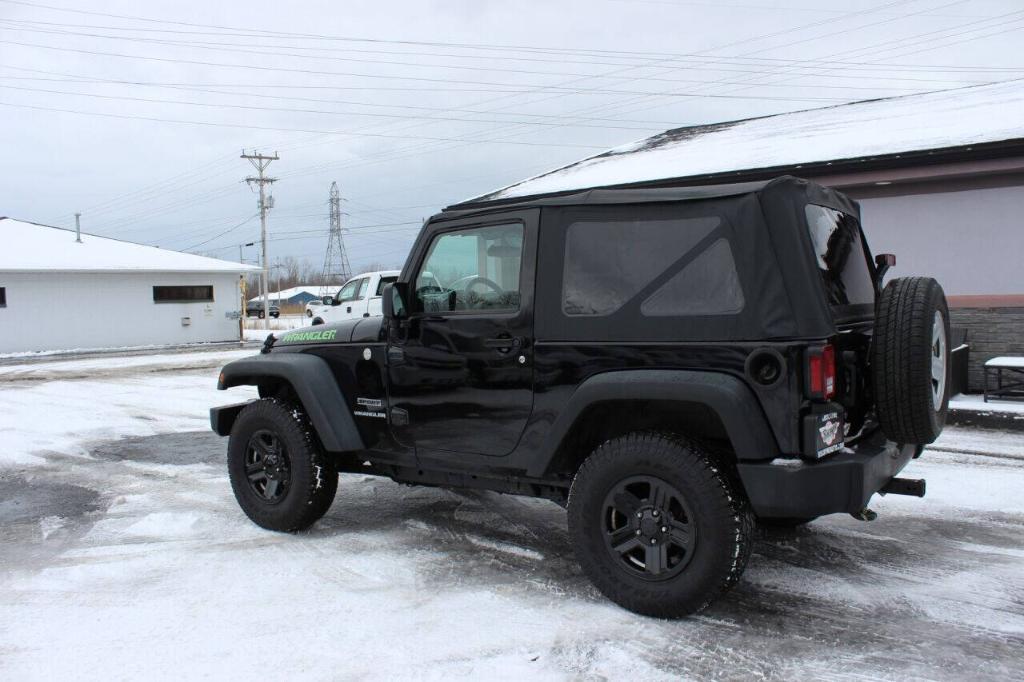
(991, 332)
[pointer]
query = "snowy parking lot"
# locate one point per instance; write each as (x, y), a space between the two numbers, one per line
(125, 557)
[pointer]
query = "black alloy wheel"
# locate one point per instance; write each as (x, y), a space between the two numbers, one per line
(279, 473)
(659, 524)
(267, 467)
(648, 527)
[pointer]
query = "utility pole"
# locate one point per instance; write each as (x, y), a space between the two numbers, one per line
(260, 163)
(336, 267)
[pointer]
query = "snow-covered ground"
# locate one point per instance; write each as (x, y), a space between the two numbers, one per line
(124, 556)
(255, 329)
(977, 403)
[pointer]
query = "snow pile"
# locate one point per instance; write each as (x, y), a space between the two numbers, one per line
(937, 120)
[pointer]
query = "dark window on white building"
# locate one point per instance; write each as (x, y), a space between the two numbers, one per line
(182, 294)
(3, 297)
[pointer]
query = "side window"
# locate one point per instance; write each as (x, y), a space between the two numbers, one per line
(708, 285)
(384, 281)
(182, 294)
(607, 263)
(348, 292)
(473, 269)
(363, 284)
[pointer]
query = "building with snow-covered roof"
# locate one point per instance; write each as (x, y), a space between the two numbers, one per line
(59, 293)
(939, 177)
(298, 295)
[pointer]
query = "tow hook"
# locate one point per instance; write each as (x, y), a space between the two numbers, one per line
(864, 514)
(904, 486)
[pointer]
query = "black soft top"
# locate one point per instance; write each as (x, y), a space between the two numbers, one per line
(647, 193)
(764, 222)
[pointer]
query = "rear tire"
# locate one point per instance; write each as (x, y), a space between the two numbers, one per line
(262, 314)
(910, 360)
(658, 525)
(279, 474)
(309, 313)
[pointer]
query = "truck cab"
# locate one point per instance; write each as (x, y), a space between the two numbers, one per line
(359, 297)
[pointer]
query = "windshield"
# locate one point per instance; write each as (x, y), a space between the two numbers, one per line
(842, 261)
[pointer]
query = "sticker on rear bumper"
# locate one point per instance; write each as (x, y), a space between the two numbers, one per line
(830, 433)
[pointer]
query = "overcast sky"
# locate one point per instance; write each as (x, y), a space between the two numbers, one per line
(135, 113)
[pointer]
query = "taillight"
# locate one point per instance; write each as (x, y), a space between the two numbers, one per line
(821, 372)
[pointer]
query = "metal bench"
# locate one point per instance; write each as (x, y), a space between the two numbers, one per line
(1014, 387)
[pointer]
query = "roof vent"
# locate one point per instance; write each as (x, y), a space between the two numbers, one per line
(78, 228)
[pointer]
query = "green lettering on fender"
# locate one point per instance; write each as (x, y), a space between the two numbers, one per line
(301, 337)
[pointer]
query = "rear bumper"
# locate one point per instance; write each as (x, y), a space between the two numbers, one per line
(843, 482)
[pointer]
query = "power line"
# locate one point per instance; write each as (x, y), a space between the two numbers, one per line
(218, 236)
(293, 130)
(241, 49)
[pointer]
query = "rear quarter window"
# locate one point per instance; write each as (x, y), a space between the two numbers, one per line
(609, 263)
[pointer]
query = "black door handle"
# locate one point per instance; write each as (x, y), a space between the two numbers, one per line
(504, 344)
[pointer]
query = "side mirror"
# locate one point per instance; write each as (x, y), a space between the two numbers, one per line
(393, 300)
(883, 262)
(328, 300)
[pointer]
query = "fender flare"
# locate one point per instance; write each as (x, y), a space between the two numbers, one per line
(731, 399)
(311, 378)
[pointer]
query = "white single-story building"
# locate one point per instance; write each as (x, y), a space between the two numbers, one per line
(58, 293)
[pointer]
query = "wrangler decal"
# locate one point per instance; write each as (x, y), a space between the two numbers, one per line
(319, 335)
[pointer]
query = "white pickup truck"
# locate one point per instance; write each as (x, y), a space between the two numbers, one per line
(358, 297)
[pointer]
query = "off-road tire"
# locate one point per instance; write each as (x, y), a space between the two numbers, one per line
(313, 482)
(722, 520)
(901, 360)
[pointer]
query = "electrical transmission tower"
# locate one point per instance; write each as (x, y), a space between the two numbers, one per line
(336, 267)
(260, 163)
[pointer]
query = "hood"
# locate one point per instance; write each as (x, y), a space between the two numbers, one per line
(363, 330)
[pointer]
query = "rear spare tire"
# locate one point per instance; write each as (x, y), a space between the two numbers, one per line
(910, 360)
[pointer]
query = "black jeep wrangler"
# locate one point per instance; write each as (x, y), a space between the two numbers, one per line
(670, 364)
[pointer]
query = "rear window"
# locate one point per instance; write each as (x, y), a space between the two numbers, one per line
(384, 281)
(842, 261)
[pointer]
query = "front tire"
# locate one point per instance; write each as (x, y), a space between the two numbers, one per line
(657, 524)
(279, 474)
(309, 313)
